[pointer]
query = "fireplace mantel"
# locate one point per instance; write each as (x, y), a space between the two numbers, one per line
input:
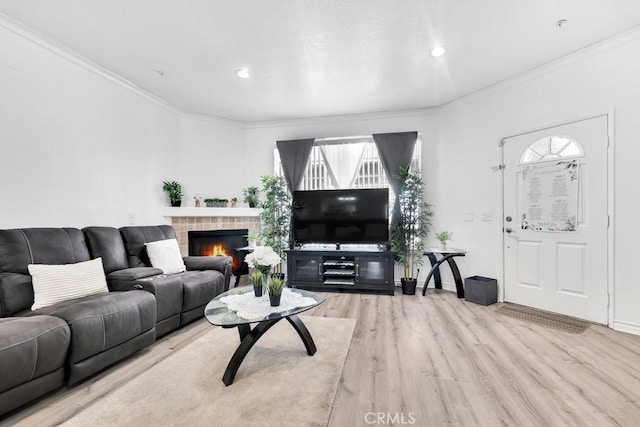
(210, 212)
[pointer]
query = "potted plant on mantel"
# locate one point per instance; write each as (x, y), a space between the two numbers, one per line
(275, 218)
(412, 227)
(174, 190)
(216, 203)
(250, 196)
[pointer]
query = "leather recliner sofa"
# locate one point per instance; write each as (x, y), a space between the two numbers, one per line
(181, 297)
(69, 341)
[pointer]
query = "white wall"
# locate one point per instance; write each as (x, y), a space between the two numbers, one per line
(261, 139)
(592, 82)
(76, 148)
(212, 158)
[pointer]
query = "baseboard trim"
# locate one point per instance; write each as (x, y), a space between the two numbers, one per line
(630, 328)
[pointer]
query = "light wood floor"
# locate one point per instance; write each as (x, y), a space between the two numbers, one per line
(436, 361)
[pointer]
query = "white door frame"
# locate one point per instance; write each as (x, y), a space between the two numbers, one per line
(610, 203)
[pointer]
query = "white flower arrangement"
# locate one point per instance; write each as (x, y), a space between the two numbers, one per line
(263, 258)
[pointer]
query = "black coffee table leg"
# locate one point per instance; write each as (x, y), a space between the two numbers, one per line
(305, 336)
(250, 337)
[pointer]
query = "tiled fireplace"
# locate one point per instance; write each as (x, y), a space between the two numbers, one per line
(184, 220)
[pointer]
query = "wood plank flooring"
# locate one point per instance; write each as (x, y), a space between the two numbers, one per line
(435, 361)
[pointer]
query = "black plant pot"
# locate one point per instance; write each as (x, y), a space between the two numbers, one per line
(408, 286)
(252, 205)
(274, 300)
(176, 203)
(257, 290)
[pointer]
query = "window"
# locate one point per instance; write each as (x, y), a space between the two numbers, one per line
(345, 163)
(551, 148)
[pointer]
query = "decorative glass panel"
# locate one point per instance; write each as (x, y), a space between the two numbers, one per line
(551, 147)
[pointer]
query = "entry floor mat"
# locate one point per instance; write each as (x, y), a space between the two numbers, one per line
(544, 318)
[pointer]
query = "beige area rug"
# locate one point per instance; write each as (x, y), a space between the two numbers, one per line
(278, 384)
(544, 318)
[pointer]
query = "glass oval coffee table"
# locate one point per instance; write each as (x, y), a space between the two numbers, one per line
(218, 312)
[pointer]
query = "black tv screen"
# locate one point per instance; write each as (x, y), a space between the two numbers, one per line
(341, 216)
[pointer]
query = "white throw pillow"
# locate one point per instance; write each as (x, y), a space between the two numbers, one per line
(165, 255)
(56, 283)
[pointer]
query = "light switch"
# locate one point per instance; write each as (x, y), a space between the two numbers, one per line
(486, 216)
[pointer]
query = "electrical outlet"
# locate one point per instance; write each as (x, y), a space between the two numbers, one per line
(468, 216)
(486, 216)
(132, 219)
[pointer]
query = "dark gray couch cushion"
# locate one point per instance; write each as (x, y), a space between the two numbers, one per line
(16, 293)
(135, 237)
(31, 347)
(106, 242)
(200, 287)
(21, 247)
(101, 322)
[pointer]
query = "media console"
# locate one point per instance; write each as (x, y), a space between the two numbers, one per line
(327, 269)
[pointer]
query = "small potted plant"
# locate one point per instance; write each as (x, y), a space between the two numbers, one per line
(234, 202)
(174, 190)
(253, 238)
(275, 287)
(443, 237)
(216, 202)
(250, 195)
(256, 278)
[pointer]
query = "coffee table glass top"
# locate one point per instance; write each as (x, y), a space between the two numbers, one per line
(218, 313)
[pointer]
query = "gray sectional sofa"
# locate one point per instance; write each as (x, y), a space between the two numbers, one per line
(41, 350)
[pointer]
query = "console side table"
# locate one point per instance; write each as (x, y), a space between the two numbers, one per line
(448, 255)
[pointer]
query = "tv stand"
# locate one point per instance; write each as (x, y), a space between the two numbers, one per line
(337, 270)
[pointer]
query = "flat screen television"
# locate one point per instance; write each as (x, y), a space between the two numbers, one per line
(341, 216)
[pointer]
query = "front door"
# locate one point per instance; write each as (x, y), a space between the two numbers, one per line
(555, 247)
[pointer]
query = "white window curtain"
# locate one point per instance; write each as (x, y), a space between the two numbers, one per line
(343, 162)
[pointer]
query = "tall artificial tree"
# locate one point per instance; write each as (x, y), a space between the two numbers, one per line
(275, 218)
(413, 222)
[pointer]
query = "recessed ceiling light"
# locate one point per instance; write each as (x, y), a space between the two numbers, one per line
(560, 23)
(243, 73)
(438, 51)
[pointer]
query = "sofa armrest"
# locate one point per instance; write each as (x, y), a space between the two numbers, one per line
(123, 280)
(16, 293)
(219, 263)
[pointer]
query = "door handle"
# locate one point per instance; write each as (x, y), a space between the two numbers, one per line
(508, 230)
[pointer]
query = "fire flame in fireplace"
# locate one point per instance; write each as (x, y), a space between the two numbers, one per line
(216, 249)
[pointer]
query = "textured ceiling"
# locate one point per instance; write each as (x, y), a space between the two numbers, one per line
(313, 58)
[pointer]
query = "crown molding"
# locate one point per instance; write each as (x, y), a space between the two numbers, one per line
(76, 58)
(214, 119)
(425, 112)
